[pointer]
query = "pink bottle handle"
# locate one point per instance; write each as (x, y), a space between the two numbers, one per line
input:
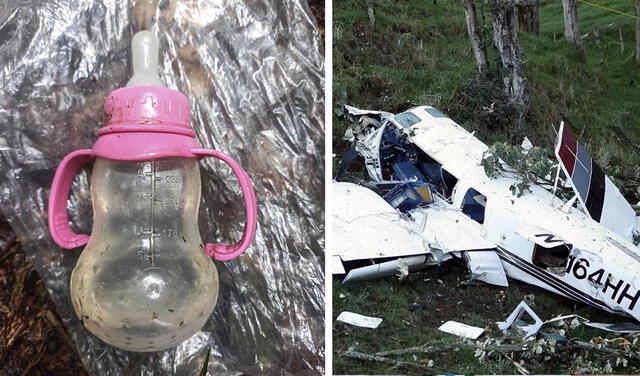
(224, 252)
(59, 227)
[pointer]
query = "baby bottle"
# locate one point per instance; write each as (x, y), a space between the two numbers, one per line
(145, 281)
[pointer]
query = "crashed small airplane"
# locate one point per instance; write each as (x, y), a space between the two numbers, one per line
(429, 200)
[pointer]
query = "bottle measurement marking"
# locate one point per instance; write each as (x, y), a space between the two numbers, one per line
(149, 171)
(153, 202)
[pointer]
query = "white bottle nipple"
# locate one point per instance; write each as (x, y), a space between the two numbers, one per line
(145, 47)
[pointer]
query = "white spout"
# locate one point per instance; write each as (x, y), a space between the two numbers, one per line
(145, 47)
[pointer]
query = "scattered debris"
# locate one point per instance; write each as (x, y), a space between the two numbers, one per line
(627, 327)
(359, 320)
(578, 319)
(514, 320)
(461, 330)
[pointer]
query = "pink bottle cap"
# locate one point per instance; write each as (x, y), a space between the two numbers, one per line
(146, 109)
(145, 123)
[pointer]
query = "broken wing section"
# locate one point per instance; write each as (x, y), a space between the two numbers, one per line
(600, 198)
(366, 227)
(452, 231)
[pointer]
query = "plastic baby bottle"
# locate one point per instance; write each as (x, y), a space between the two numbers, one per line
(145, 281)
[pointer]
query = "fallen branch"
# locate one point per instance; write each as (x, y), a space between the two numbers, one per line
(381, 359)
(435, 348)
(441, 347)
(603, 349)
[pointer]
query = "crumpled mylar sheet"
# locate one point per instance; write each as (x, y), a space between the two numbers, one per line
(253, 71)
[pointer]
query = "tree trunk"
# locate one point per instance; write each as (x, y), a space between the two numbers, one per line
(571, 30)
(529, 17)
(638, 31)
(505, 38)
(479, 52)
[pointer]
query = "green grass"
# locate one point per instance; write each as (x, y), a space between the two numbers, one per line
(418, 53)
(413, 310)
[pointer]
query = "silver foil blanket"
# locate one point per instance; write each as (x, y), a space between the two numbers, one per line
(254, 72)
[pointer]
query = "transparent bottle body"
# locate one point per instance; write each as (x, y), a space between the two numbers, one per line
(143, 282)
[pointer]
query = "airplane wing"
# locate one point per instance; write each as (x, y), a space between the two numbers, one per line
(366, 227)
(599, 197)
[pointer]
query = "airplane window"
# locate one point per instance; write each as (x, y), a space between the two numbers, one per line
(407, 119)
(435, 113)
(473, 205)
(553, 259)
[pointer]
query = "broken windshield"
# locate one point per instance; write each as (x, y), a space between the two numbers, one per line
(407, 119)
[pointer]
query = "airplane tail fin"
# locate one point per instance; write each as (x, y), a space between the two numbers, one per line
(599, 197)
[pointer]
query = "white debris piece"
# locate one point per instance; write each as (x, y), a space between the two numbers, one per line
(359, 320)
(461, 330)
(625, 328)
(565, 317)
(517, 313)
(526, 144)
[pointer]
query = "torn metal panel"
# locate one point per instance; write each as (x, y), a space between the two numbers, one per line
(356, 112)
(515, 316)
(625, 327)
(565, 317)
(486, 266)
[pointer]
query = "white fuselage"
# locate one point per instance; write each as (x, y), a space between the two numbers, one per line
(602, 268)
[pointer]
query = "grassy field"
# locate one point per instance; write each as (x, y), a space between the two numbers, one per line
(418, 53)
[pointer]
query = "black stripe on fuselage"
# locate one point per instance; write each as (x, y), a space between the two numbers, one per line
(552, 281)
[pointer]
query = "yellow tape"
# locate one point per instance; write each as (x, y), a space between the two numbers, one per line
(608, 9)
